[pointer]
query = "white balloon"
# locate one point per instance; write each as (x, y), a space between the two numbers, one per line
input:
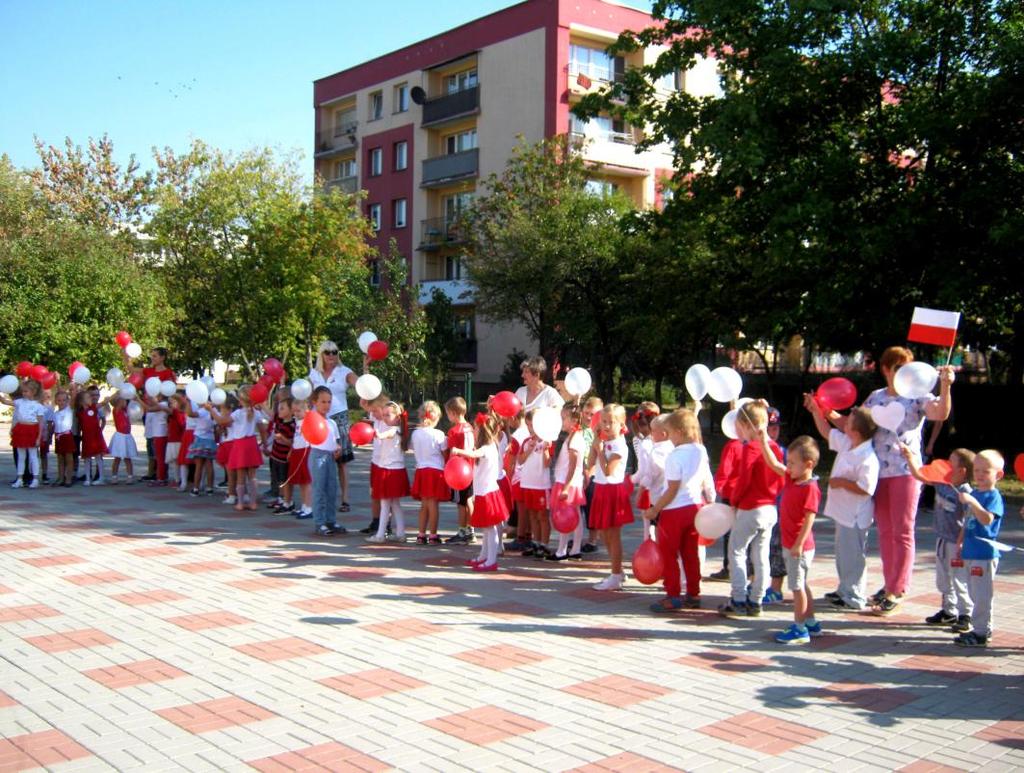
(127, 391)
(210, 381)
(152, 386)
(301, 389)
(218, 396)
(197, 392)
(725, 384)
(889, 416)
(714, 521)
(914, 380)
(578, 382)
(729, 424)
(135, 412)
(547, 423)
(368, 386)
(168, 388)
(697, 377)
(81, 375)
(115, 377)
(365, 339)
(9, 384)
(133, 350)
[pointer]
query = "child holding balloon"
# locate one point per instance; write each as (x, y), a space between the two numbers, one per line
(323, 457)
(610, 509)
(63, 441)
(298, 478)
(391, 481)
(567, 492)
(90, 426)
(244, 457)
(177, 473)
(535, 458)
(122, 444)
(460, 435)
(489, 510)
(645, 413)
(428, 485)
(592, 407)
(27, 430)
(203, 448)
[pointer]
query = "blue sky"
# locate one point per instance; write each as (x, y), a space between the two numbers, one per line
(158, 73)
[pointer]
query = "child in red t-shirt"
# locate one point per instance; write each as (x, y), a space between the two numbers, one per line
(461, 436)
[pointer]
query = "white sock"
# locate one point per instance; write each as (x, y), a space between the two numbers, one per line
(385, 516)
(398, 515)
(99, 467)
(33, 461)
(491, 537)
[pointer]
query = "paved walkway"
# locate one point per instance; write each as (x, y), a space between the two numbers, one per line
(143, 629)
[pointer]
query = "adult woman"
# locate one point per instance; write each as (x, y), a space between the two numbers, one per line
(897, 493)
(535, 393)
(329, 372)
(158, 368)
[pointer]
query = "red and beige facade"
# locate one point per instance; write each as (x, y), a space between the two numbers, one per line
(420, 128)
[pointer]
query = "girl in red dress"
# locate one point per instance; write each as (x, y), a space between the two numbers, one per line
(489, 508)
(428, 486)
(90, 427)
(122, 444)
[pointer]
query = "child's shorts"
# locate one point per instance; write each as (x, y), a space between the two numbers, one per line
(798, 569)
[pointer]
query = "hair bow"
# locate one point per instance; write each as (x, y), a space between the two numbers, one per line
(481, 417)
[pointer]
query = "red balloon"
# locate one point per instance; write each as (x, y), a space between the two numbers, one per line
(123, 338)
(136, 379)
(1018, 466)
(836, 394)
(258, 394)
(361, 433)
(39, 372)
(705, 541)
(72, 368)
(595, 420)
(273, 367)
(378, 350)
(506, 404)
(48, 381)
(458, 473)
(314, 428)
(564, 517)
(268, 380)
(24, 369)
(647, 566)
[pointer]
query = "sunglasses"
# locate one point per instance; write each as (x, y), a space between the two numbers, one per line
(331, 352)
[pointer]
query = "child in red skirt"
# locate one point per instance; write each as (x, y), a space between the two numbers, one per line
(90, 426)
(299, 478)
(460, 435)
(27, 430)
(244, 457)
(64, 439)
(489, 508)
(610, 509)
(688, 486)
(567, 493)
(534, 485)
(391, 481)
(175, 431)
(224, 433)
(643, 445)
(428, 485)
(122, 444)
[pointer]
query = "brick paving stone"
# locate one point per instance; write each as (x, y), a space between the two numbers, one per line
(325, 604)
(201, 567)
(163, 550)
(627, 761)
(43, 749)
(281, 649)
(48, 561)
(132, 674)
(95, 578)
(1008, 733)
(866, 697)
(325, 757)
(619, 691)
(213, 715)
(207, 620)
(762, 733)
(261, 584)
(372, 683)
(71, 640)
(501, 657)
(485, 725)
(13, 547)
(407, 628)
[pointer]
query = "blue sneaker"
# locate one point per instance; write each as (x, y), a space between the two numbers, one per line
(793, 635)
(814, 629)
(771, 597)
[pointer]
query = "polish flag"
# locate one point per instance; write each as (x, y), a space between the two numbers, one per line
(931, 326)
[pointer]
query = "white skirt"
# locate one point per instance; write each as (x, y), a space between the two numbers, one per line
(122, 446)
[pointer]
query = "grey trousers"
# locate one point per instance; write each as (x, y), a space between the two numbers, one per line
(981, 576)
(852, 564)
(951, 581)
(753, 528)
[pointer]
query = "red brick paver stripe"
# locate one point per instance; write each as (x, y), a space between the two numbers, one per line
(33, 750)
(198, 567)
(605, 634)
(723, 662)
(215, 715)
(71, 640)
(46, 561)
(6, 700)
(512, 609)
(762, 733)
(1009, 733)
(10, 547)
(26, 612)
(879, 700)
(208, 620)
(633, 763)
(96, 578)
(160, 520)
(427, 591)
(598, 596)
(926, 766)
(162, 550)
(131, 674)
(372, 683)
(325, 604)
(957, 669)
(487, 724)
(327, 757)
(358, 574)
(112, 539)
(261, 583)
(501, 657)
(615, 690)
(247, 543)
(407, 628)
(281, 649)
(4, 589)
(147, 597)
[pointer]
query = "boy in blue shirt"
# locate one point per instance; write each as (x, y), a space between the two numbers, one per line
(980, 550)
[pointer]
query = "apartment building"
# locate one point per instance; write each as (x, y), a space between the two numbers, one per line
(420, 128)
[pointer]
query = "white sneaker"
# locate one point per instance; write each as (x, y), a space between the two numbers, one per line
(611, 582)
(230, 500)
(34, 483)
(129, 481)
(398, 538)
(86, 482)
(17, 484)
(376, 539)
(99, 482)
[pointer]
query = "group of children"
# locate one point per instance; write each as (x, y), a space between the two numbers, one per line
(522, 484)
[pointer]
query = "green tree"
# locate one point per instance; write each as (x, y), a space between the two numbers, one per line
(441, 342)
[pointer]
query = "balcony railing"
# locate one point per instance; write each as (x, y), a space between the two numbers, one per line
(336, 139)
(620, 138)
(439, 231)
(459, 291)
(441, 170)
(344, 184)
(447, 106)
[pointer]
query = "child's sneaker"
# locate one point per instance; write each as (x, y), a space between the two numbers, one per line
(284, 507)
(611, 582)
(17, 484)
(375, 539)
(230, 500)
(942, 617)
(34, 483)
(303, 514)
(99, 482)
(753, 610)
(971, 639)
(795, 634)
(400, 538)
(771, 596)
(129, 481)
(814, 629)
(962, 624)
(733, 609)
(722, 575)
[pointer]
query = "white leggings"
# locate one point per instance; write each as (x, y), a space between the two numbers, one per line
(28, 461)
(490, 542)
(391, 508)
(577, 538)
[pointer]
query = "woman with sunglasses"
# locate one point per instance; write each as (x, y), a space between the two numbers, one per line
(329, 372)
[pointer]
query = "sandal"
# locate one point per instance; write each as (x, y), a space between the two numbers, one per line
(345, 507)
(668, 604)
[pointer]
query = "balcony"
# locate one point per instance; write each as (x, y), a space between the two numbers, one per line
(343, 184)
(465, 354)
(438, 232)
(618, 138)
(447, 107)
(459, 291)
(442, 170)
(336, 140)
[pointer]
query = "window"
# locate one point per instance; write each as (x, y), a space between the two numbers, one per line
(453, 268)
(344, 121)
(376, 161)
(345, 168)
(460, 81)
(670, 81)
(457, 143)
(376, 105)
(374, 214)
(455, 205)
(401, 155)
(601, 187)
(602, 128)
(595, 63)
(398, 207)
(401, 98)
(375, 273)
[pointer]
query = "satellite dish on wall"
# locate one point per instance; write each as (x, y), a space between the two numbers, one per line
(418, 95)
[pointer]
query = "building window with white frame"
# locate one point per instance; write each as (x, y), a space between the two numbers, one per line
(375, 273)
(401, 98)
(345, 168)
(460, 81)
(596, 64)
(460, 142)
(376, 162)
(453, 270)
(376, 105)
(399, 208)
(401, 155)
(374, 214)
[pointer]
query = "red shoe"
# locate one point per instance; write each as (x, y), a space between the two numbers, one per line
(472, 563)
(486, 567)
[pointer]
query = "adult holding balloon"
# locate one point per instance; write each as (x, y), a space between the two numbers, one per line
(158, 370)
(535, 393)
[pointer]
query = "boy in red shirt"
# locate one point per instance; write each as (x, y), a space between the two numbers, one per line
(460, 436)
(725, 476)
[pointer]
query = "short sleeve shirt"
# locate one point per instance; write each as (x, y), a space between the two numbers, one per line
(797, 501)
(891, 463)
(337, 382)
(975, 548)
(617, 447)
(688, 464)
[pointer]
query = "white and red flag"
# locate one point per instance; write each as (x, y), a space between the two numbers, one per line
(931, 326)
